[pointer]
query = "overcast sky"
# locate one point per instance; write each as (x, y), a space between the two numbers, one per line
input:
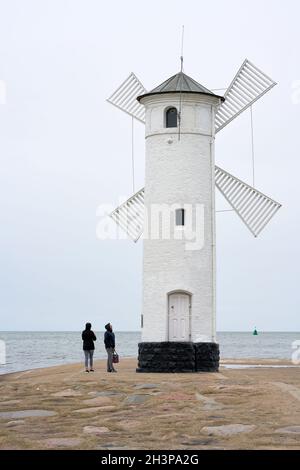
(64, 150)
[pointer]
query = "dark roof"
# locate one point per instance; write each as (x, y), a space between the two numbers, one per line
(179, 83)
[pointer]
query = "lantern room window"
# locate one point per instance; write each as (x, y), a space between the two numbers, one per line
(171, 117)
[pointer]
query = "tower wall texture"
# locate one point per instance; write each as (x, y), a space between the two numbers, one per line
(179, 174)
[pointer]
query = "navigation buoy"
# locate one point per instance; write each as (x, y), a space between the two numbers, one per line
(255, 332)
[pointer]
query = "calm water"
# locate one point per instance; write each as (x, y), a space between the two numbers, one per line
(28, 350)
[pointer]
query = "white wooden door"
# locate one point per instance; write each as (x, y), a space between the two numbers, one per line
(179, 317)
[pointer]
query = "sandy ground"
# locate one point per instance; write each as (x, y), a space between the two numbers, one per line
(66, 408)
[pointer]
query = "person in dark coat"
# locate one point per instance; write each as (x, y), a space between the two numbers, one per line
(109, 341)
(88, 338)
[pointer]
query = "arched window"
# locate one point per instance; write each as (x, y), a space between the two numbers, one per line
(171, 117)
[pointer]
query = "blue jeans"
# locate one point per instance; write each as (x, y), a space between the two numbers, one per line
(89, 356)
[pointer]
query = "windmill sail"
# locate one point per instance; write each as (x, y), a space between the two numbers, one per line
(248, 86)
(130, 215)
(253, 207)
(124, 97)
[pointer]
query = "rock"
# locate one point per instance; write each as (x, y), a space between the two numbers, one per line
(291, 389)
(105, 393)
(146, 386)
(95, 430)
(10, 402)
(209, 404)
(95, 409)
(98, 401)
(176, 397)
(129, 424)
(289, 430)
(9, 447)
(198, 442)
(62, 442)
(169, 415)
(111, 446)
(227, 429)
(136, 399)
(170, 436)
(66, 393)
(26, 414)
(221, 376)
(15, 423)
(107, 408)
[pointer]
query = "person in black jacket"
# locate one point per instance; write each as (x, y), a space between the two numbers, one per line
(88, 338)
(109, 341)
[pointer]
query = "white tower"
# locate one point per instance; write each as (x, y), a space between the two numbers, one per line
(179, 248)
(176, 212)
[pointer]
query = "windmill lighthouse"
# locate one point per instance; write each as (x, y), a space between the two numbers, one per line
(176, 211)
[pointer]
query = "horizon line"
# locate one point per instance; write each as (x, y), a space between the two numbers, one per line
(139, 331)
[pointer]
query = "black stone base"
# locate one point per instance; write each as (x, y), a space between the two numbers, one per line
(207, 356)
(178, 357)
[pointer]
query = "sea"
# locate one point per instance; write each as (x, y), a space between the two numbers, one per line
(20, 351)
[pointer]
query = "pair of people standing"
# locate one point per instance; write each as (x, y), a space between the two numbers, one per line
(88, 338)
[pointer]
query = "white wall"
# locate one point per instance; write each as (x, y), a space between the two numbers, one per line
(180, 172)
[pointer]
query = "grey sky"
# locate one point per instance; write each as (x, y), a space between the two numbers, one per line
(64, 150)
